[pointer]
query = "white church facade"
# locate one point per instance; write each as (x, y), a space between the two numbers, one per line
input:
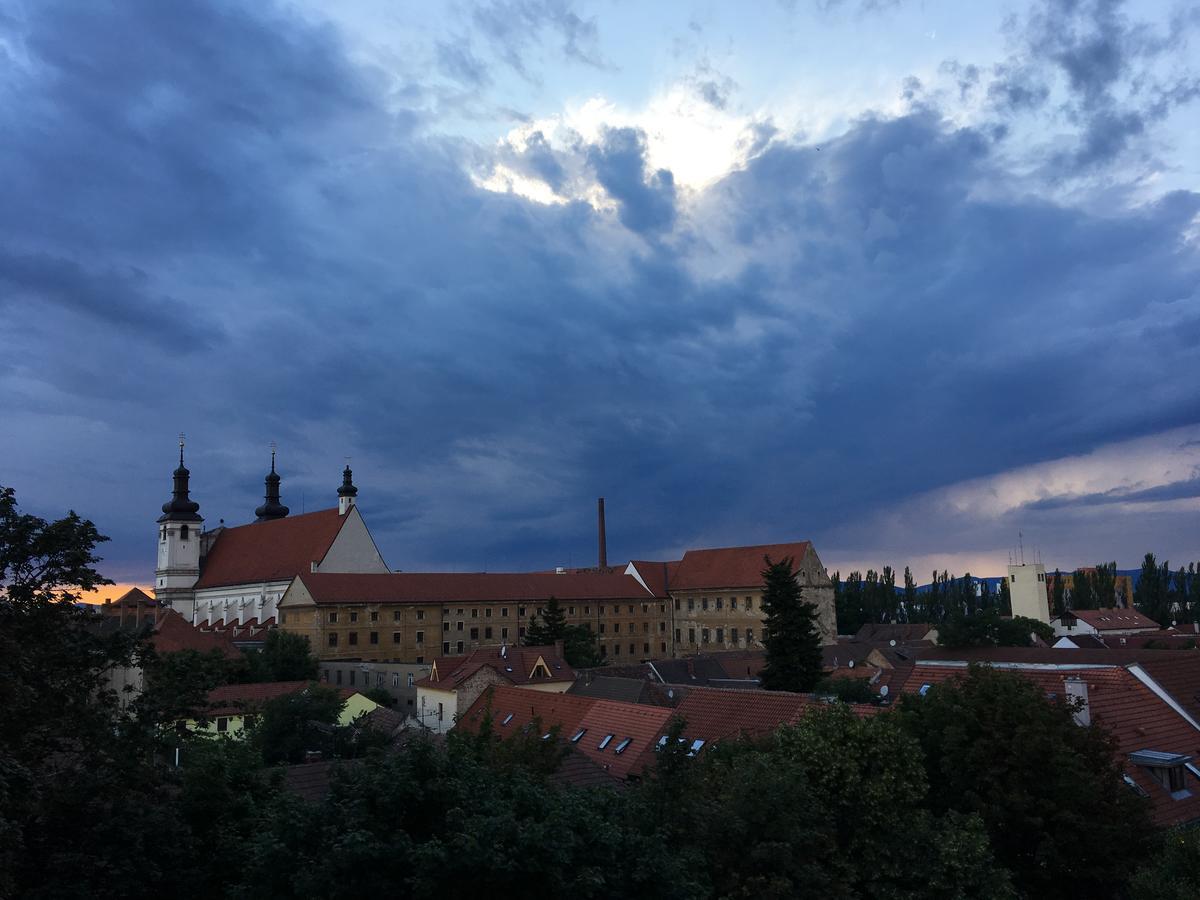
(234, 577)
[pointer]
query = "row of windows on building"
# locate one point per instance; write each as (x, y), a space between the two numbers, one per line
(616, 649)
(707, 633)
(353, 616)
(372, 638)
(718, 603)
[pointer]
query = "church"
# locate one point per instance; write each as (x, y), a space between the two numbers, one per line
(224, 577)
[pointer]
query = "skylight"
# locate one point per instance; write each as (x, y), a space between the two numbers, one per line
(662, 742)
(924, 689)
(546, 736)
(507, 719)
(578, 735)
(696, 746)
(605, 741)
(621, 747)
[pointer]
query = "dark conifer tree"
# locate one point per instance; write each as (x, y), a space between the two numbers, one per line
(791, 637)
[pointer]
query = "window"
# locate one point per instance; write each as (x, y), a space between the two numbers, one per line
(676, 604)
(664, 646)
(602, 628)
(704, 603)
(458, 626)
(440, 712)
(575, 738)
(352, 674)
(504, 632)
(678, 637)
(623, 746)
(646, 648)
(445, 648)
(395, 637)
(474, 634)
(662, 627)
(445, 625)
(487, 633)
(487, 613)
(396, 615)
(339, 676)
(733, 635)
(353, 617)
(374, 637)
(420, 659)
(459, 612)
(696, 747)
(924, 689)
(507, 719)
(645, 627)
(379, 680)
(183, 533)
(374, 617)
(570, 610)
(631, 608)
(749, 604)
(420, 614)
(691, 635)
(410, 674)
(521, 631)
(600, 609)
(691, 604)
(520, 612)
(504, 612)
(720, 635)
(333, 618)
(352, 639)
(616, 649)
(587, 610)
(605, 741)
(749, 635)
(733, 602)
(333, 640)
(475, 613)
(616, 627)
(704, 635)
(459, 645)
(222, 723)
(420, 637)
(395, 679)
(720, 603)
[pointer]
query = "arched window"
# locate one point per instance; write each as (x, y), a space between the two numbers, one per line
(183, 532)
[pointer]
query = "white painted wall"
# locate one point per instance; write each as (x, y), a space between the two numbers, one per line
(353, 549)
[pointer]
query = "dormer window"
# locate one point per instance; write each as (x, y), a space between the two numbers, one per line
(1168, 769)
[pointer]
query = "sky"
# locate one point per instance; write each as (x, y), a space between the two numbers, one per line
(906, 279)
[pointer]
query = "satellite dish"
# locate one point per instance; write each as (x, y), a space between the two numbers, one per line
(883, 691)
(892, 642)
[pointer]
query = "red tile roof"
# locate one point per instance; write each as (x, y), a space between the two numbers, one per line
(641, 725)
(1113, 619)
(1133, 713)
(270, 551)
(732, 567)
(1180, 678)
(172, 633)
(657, 575)
(516, 666)
(234, 699)
(438, 587)
(551, 709)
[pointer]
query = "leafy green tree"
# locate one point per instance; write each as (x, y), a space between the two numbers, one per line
(176, 685)
(848, 690)
(1173, 872)
(285, 656)
(790, 634)
(989, 629)
(289, 726)
(1058, 597)
(1049, 792)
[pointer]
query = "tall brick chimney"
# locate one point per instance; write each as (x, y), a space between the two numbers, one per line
(603, 539)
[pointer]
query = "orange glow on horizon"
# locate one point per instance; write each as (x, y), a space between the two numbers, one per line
(112, 592)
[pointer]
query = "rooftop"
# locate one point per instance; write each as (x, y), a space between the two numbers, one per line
(732, 567)
(275, 550)
(438, 587)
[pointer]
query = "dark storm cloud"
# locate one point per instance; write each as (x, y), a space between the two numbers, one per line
(888, 314)
(1120, 75)
(646, 198)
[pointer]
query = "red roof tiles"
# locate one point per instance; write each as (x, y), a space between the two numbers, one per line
(270, 551)
(517, 665)
(1113, 619)
(172, 633)
(437, 587)
(732, 567)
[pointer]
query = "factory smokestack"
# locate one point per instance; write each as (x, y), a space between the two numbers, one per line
(603, 539)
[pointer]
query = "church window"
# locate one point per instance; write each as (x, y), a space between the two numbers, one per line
(183, 533)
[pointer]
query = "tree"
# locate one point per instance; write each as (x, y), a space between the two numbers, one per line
(848, 690)
(289, 726)
(1173, 873)
(177, 684)
(1152, 594)
(1058, 598)
(791, 637)
(548, 626)
(989, 629)
(1083, 594)
(1104, 584)
(1073, 828)
(285, 656)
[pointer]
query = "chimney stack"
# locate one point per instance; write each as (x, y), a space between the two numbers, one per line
(603, 539)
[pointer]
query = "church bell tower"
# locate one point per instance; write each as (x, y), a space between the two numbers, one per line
(179, 529)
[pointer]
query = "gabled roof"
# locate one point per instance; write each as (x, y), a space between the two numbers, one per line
(516, 665)
(1113, 619)
(712, 669)
(901, 633)
(277, 550)
(133, 597)
(732, 567)
(451, 587)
